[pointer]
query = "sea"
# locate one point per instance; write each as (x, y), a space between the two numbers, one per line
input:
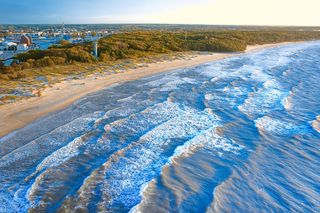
(236, 135)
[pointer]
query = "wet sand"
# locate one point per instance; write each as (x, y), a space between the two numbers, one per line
(16, 115)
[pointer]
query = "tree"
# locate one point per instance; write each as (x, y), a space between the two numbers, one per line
(2, 66)
(83, 36)
(47, 61)
(64, 43)
(93, 34)
(75, 35)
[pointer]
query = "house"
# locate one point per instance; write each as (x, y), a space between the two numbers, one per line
(26, 40)
(14, 36)
(35, 35)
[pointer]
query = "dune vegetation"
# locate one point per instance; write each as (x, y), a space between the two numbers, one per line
(139, 44)
(123, 50)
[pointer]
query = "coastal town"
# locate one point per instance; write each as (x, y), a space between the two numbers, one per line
(14, 41)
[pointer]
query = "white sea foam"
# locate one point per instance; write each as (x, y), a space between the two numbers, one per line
(316, 124)
(170, 82)
(271, 84)
(213, 70)
(147, 156)
(233, 95)
(266, 99)
(62, 155)
(235, 91)
(209, 97)
(278, 127)
(275, 57)
(209, 140)
(127, 99)
(32, 151)
(164, 80)
(146, 119)
(287, 101)
(174, 84)
(9, 205)
(51, 140)
(258, 75)
(262, 102)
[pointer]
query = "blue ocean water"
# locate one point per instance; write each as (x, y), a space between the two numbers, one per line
(236, 135)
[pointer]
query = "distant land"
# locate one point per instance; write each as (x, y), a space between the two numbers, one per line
(155, 26)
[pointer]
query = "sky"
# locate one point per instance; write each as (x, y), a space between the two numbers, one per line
(216, 12)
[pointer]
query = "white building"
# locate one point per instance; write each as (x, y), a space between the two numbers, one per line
(8, 44)
(15, 36)
(35, 34)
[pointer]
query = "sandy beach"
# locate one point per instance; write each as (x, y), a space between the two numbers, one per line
(16, 115)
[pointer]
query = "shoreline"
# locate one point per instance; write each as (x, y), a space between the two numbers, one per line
(61, 95)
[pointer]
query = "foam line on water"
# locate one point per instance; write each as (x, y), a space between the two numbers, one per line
(154, 115)
(33, 127)
(72, 149)
(49, 142)
(163, 81)
(287, 101)
(55, 159)
(174, 84)
(278, 127)
(169, 82)
(31, 157)
(61, 155)
(146, 155)
(268, 98)
(147, 119)
(316, 124)
(209, 140)
(270, 94)
(232, 95)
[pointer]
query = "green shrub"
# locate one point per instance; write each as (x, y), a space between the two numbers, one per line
(58, 60)
(78, 54)
(26, 65)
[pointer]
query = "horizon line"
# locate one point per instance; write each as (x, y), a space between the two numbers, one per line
(141, 23)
